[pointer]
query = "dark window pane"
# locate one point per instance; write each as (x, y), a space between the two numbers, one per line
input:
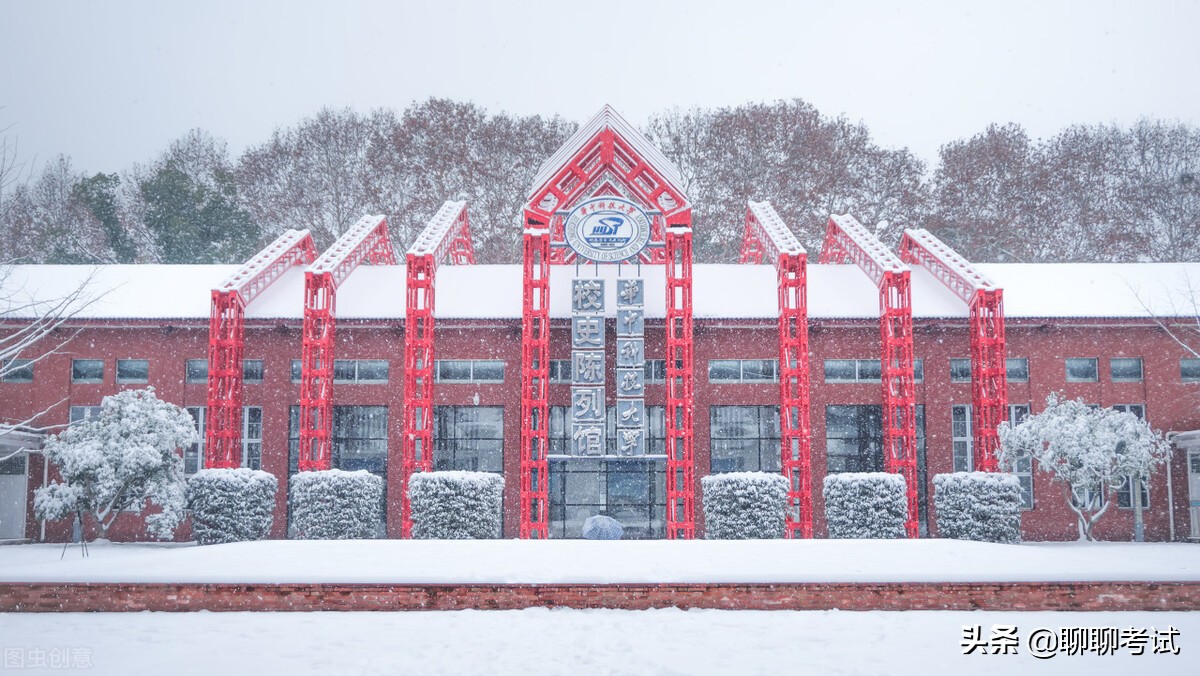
(488, 371)
(87, 370)
(656, 370)
(840, 369)
(869, 369)
(1018, 369)
(343, 370)
(1126, 369)
(450, 370)
(854, 438)
(1189, 370)
(133, 371)
(724, 371)
(252, 370)
(919, 370)
(960, 370)
(372, 370)
(297, 370)
(17, 371)
(758, 370)
(197, 370)
(1081, 370)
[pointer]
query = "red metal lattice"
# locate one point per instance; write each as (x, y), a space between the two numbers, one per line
(365, 242)
(767, 235)
(846, 239)
(226, 338)
(447, 236)
(535, 379)
(681, 472)
(989, 378)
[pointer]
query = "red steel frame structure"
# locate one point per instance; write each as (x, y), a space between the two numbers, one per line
(847, 240)
(226, 338)
(767, 235)
(365, 241)
(446, 237)
(989, 377)
(607, 156)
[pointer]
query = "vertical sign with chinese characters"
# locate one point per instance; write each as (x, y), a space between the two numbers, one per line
(587, 367)
(631, 362)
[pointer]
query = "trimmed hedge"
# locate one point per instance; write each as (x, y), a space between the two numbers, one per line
(231, 505)
(336, 505)
(865, 505)
(744, 505)
(456, 505)
(984, 506)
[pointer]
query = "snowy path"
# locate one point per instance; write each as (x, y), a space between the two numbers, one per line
(539, 641)
(575, 561)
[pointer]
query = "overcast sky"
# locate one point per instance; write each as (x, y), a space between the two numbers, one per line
(112, 83)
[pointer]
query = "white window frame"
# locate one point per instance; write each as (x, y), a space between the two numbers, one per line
(960, 420)
(471, 366)
(131, 381)
(87, 380)
(358, 380)
(82, 413)
(200, 417)
(954, 378)
(1067, 370)
(1008, 369)
(187, 371)
(741, 366)
(1028, 472)
(249, 438)
(1141, 370)
(1191, 362)
(14, 366)
(262, 368)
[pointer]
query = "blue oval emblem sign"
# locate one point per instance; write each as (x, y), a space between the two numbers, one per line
(607, 229)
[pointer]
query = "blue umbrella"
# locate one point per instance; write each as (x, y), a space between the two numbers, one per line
(602, 527)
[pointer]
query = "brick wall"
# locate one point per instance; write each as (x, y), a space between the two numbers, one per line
(1092, 596)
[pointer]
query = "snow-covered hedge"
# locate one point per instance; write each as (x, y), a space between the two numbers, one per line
(744, 505)
(978, 506)
(456, 505)
(336, 505)
(231, 505)
(865, 505)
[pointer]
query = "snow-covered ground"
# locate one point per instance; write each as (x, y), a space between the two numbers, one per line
(586, 562)
(540, 641)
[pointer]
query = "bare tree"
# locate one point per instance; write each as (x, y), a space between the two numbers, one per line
(34, 328)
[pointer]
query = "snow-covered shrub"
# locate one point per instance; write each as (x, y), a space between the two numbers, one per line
(983, 506)
(127, 456)
(231, 505)
(456, 505)
(744, 505)
(336, 505)
(865, 505)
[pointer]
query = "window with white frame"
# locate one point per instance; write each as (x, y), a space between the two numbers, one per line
(252, 430)
(193, 456)
(133, 371)
(469, 370)
(1189, 370)
(960, 370)
(252, 371)
(560, 371)
(360, 371)
(82, 413)
(87, 370)
(17, 371)
(468, 438)
(742, 371)
(1082, 370)
(962, 441)
(297, 370)
(1017, 369)
(656, 370)
(1125, 369)
(744, 438)
(1023, 468)
(853, 438)
(196, 371)
(852, 371)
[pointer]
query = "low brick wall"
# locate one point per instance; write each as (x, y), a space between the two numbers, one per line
(813, 596)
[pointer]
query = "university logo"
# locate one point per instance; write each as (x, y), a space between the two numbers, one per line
(607, 229)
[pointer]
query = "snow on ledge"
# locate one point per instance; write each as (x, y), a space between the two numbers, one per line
(590, 562)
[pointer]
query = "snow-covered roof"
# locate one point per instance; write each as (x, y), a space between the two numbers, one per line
(607, 117)
(1107, 290)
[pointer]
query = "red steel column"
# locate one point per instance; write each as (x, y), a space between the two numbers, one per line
(681, 477)
(316, 373)
(535, 393)
(222, 448)
(796, 443)
(417, 442)
(989, 377)
(899, 396)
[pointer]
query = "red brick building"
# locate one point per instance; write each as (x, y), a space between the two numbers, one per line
(1088, 331)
